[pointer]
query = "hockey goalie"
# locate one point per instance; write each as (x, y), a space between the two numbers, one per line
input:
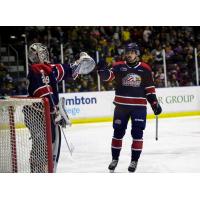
(43, 82)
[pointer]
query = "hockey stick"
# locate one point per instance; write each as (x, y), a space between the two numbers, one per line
(63, 112)
(70, 146)
(156, 127)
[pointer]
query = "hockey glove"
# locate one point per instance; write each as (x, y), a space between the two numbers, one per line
(156, 108)
(84, 65)
(60, 120)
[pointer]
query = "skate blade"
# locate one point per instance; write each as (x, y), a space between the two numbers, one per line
(112, 171)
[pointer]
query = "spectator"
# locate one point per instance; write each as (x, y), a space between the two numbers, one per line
(6, 82)
(109, 59)
(168, 52)
(147, 57)
(157, 54)
(3, 73)
(179, 43)
(159, 78)
(84, 86)
(146, 34)
(22, 87)
(173, 82)
(126, 34)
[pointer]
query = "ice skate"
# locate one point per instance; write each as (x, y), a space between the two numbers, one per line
(113, 165)
(132, 167)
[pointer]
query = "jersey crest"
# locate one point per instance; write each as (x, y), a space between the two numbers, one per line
(132, 79)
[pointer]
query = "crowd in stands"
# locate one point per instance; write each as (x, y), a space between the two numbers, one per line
(109, 41)
(9, 86)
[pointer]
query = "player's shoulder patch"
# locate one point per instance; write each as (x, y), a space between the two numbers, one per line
(146, 66)
(118, 63)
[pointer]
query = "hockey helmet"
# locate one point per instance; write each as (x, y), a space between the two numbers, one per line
(132, 47)
(38, 53)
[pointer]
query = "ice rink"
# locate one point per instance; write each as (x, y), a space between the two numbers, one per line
(177, 149)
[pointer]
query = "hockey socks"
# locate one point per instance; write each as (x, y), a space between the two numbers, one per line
(116, 148)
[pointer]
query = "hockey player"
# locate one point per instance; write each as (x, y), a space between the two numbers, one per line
(43, 82)
(133, 88)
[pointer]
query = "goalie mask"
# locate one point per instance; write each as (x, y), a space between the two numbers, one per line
(38, 53)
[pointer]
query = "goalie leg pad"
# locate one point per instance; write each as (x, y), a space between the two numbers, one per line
(56, 147)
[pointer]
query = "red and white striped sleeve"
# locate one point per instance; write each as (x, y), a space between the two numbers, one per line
(43, 91)
(60, 72)
(150, 90)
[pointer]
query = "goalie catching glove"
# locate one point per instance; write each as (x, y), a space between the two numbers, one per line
(62, 116)
(84, 65)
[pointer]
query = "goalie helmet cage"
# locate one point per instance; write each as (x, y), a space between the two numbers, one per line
(25, 135)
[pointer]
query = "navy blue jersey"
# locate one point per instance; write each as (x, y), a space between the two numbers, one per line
(44, 79)
(133, 84)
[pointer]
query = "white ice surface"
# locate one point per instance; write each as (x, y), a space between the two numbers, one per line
(177, 149)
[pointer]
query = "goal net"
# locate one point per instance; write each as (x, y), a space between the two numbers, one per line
(25, 135)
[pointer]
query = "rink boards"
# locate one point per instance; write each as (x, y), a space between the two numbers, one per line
(86, 107)
(98, 107)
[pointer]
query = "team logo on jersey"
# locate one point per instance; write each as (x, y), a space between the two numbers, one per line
(123, 69)
(132, 79)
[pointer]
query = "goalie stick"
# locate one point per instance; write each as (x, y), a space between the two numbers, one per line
(70, 146)
(61, 106)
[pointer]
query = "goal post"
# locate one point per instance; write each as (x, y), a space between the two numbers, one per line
(12, 138)
(25, 135)
(48, 134)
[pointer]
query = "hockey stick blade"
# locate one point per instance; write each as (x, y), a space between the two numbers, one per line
(70, 146)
